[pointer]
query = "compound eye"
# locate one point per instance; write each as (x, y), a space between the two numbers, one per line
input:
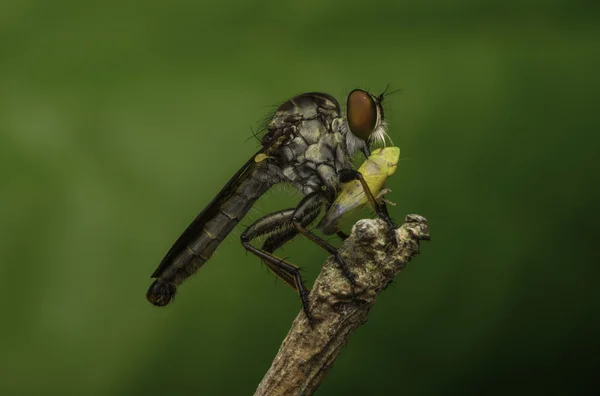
(362, 114)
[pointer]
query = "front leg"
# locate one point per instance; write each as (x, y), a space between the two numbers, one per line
(380, 208)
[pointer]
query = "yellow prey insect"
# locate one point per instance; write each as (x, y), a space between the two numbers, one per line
(381, 164)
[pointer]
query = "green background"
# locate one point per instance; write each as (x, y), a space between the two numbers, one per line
(120, 120)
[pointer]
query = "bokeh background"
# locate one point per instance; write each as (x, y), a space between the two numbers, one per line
(120, 120)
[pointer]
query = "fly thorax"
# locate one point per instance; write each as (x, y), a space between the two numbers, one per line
(312, 131)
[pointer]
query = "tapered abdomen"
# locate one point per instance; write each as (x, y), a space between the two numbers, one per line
(209, 229)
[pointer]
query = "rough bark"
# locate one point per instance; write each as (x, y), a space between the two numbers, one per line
(308, 351)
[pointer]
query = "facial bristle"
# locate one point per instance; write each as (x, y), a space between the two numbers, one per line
(380, 134)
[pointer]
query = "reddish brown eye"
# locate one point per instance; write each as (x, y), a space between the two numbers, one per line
(362, 114)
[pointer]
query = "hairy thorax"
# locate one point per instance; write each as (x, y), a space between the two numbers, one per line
(312, 144)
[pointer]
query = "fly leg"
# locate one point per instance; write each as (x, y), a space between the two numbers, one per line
(266, 225)
(380, 208)
(280, 229)
(308, 203)
(277, 240)
(287, 233)
(342, 235)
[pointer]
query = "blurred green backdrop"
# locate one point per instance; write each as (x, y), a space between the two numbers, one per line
(119, 121)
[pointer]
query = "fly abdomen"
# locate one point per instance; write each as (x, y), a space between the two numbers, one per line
(160, 294)
(205, 234)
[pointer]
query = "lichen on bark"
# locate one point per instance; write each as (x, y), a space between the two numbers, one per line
(310, 348)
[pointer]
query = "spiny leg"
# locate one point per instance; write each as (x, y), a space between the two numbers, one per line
(286, 271)
(280, 228)
(288, 231)
(342, 235)
(279, 238)
(308, 203)
(265, 225)
(380, 208)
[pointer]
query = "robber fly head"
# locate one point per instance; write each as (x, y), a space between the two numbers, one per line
(365, 116)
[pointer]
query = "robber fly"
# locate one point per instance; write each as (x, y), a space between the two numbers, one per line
(308, 143)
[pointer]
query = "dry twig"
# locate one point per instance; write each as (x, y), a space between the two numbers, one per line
(307, 353)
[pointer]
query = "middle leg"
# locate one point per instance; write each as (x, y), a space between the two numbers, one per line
(308, 203)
